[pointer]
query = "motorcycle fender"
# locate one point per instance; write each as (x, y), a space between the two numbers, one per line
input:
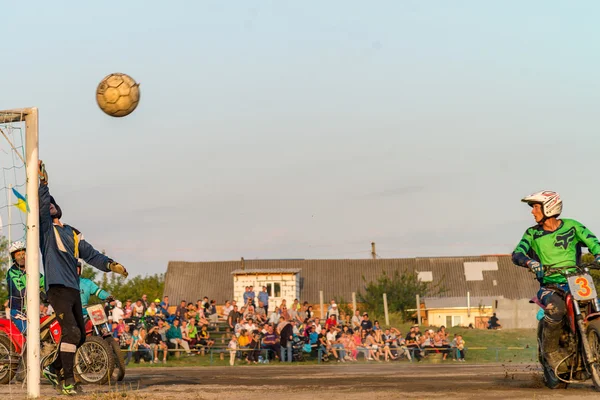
(591, 317)
(571, 313)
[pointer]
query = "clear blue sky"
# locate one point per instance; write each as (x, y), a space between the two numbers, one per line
(282, 129)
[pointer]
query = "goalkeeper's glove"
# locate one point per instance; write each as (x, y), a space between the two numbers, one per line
(42, 173)
(118, 269)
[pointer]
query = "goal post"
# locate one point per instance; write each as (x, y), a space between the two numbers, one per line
(29, 116)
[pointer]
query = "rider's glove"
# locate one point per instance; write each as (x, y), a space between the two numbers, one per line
(109, 299)
(535, 266)
(118, 269)
(597, 259)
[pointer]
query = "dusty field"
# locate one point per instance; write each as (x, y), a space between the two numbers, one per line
(347, 381)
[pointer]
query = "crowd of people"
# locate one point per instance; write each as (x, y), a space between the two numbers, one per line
(288, 331)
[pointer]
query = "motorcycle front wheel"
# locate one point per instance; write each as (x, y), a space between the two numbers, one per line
(94, 361)
(9, 365)
(550, 379)
(119, 370)
(593, 336)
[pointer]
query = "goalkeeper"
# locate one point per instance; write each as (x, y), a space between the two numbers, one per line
(61, 246)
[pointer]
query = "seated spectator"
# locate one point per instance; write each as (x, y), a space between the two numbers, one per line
(174, 336)
(260, 313)
(181, 310)
(271, 342)
(331, 322)
(190, 312)
(204, 337)
(157, 344)
(211, 313)
(143, 353)
(366, 324)
(128, 309)
(226, 309)
(192, 332)
(274, 316)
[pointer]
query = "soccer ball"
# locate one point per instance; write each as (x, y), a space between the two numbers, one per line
(118, 95)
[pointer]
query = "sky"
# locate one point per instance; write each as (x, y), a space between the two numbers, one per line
(279, 129)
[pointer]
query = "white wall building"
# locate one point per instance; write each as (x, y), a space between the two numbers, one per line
(281, 284)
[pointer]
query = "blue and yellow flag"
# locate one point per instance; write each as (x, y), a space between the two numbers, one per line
(21, 203)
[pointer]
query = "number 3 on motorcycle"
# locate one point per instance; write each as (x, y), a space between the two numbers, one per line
(582, 287)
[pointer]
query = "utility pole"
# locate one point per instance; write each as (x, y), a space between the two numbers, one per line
(373, 252)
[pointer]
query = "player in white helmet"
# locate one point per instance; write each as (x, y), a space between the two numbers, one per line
(16, 283)
(549, 248)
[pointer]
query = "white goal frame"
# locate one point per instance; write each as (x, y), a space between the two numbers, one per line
(30, 117)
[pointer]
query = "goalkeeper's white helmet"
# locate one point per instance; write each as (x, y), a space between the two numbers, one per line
(550, 201)
(16, 246)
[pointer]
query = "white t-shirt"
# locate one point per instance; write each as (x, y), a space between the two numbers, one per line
(227, 310)
(331, 337)
(117, 314)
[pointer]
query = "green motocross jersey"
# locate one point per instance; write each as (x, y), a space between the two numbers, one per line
(557, 250)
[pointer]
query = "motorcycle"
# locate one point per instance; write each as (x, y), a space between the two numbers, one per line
(580, 335)
(96, 324)
(93, 362)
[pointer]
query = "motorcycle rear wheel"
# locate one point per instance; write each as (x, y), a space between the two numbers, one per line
(593, 335)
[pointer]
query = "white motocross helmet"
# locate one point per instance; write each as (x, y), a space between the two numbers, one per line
(16, 246)
(549, 200)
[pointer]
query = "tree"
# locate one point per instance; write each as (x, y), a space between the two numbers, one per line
(133, 288)
(401, 291)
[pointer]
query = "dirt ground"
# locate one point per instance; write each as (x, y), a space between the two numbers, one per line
(338, 381)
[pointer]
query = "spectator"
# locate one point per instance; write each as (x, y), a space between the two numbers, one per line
(263, 297)
(138, 311)
(366, 324)
(260, 313)
(286, 335)
(232, 346)
(252, 296)
(174, 336)
(331, 322)
(271, 342)
(128, 309)
(193, 333)
(117, 313)
(145, 303)
(493, 322)
(205, 339)
(274, 317)
(180, 311)
(233, 318)
(157, 344)
(133, 345)
(356, 320)
(227, 309)
(246, 295)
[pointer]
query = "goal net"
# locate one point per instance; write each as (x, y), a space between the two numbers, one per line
(19, 214)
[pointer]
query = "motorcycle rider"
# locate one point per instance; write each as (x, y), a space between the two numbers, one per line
(16, 282)
(61, 246)
(548, 248)
(88, 288)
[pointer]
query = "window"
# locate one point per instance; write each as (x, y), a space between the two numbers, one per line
(453, 320)
(273, 288)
